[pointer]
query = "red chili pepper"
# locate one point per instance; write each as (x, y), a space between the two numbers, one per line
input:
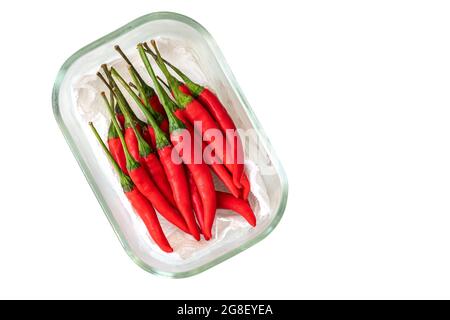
(150, 100)
(141, 178)
(227, 201)
(200, 171)
(150, 94)
(195, 112)
(115, 147)
(220, 115)
(218, 168)
(139, 203)
(142, 151)
(174, 171)
(218, 112)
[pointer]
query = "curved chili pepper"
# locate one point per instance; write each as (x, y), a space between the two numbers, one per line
(149, 135)
(142, 180)
(142, 151)
(115, 147)
(149, 98)
(218, 168)
(218, 112)
(238, 170)
(150, 93)
(195, 112)
(245, 186)
(227, 201)
(174, 171)
(200, 171)
(139, 203)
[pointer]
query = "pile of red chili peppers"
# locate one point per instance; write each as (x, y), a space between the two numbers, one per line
(157, 171)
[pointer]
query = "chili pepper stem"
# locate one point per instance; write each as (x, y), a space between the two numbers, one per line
(161, 139)
(112, 85)
(149, 92)
(125, 181)
(180, 97)
(104, 81)
(167, 103)
(144, 147)
(195, 88)
(141, 90)
(163, 82)
(131, 162)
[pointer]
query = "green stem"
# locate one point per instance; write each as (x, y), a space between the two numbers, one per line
(112, 134)
(195, 88)
(125, 181)
(149, 92)
(141, 90)
(111, 94)
(182, 99)
(161, 140)
(131, 162)
(113, 84)
(167, 103)
(163, 82)
(144, 147)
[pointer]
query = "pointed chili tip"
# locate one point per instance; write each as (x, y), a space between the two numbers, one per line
(207, 238)
(167, 249)
(207, 235)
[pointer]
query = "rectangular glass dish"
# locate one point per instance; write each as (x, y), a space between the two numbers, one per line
(75, 100)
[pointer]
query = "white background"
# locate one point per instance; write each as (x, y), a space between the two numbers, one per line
(355, 97)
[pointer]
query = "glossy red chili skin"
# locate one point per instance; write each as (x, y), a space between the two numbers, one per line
(203, 180)
(147, 187)
(132, 143)
(223, 119)
(228, 202)
(148, 215)
(194, 111)
(156, 104)
(218, 168)
(197, 203)
(151, 163)
(116, 149)
(158, 175)
(180, 188)
(183, 88)
(223, 174)
(121, 119)
(146, 136)
(245, 186)
(164, 125)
